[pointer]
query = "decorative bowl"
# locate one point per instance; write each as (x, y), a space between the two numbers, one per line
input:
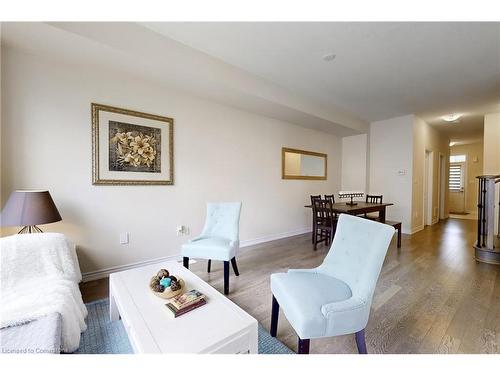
(168, 292)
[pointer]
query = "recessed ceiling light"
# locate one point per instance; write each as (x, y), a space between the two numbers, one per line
(452, 144)
(451, 117)
(329, 57)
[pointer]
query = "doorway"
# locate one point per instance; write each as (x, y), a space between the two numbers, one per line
(428, 173)
(457, 186)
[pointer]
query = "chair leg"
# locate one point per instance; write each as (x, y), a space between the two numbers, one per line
(303, 346)
(235, 266)
(185, 262)
(209, 265)
(226, 277)
(399, 237)
(360, 342)
(275, 312)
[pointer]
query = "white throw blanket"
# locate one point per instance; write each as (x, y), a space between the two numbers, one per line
(40, 275)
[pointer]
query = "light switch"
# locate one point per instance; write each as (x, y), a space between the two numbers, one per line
(124, 238)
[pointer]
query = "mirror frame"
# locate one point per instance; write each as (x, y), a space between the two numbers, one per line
(302, 152)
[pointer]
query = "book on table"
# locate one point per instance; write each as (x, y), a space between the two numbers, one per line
(186, 302)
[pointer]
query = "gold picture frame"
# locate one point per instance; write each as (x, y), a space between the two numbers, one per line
(131, 147)
(295, 176)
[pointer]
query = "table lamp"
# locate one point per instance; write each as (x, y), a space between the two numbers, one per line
(29, 208)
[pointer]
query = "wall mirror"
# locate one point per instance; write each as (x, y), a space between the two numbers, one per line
(303, 165)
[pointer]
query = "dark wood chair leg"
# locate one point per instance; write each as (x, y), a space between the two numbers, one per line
(235, 266)
(275, 312)
(209, 265)
(303, 346)
(226, 277)
(185, 262)
(360, 342)
(399, 236)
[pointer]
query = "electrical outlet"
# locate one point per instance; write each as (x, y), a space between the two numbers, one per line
(182, 230)
(124, 238)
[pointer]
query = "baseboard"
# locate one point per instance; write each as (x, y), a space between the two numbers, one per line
(274, 237)
(105, 272)
(417, 229)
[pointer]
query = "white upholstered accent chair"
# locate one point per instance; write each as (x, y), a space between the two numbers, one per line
(335, 298)
(219, 239)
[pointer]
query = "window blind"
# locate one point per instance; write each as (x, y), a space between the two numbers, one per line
(456, 177)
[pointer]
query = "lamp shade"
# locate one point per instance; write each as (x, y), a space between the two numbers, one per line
(29, 207)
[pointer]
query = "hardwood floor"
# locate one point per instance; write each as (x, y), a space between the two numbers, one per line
(432, 296)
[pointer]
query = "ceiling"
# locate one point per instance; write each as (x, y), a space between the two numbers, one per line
(381, 70)
(469, 128)
(140, 53)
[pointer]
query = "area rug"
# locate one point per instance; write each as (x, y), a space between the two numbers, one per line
(106, 337)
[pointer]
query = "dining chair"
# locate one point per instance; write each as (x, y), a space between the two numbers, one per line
(219, 239)
(325, 222)
(330, 198)
(335, 298)
(373, 199)
(313, 198)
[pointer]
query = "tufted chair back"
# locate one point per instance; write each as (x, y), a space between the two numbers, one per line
(357, 254)
(223, 220)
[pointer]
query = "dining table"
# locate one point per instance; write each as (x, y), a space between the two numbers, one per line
(359, 208)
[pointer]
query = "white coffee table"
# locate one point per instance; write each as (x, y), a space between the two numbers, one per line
(220, 326)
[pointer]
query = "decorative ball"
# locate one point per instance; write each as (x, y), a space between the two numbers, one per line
(165, 282)
(159, 288)
(173, 278)
(162, 273)
(155, 280)
(175, 285)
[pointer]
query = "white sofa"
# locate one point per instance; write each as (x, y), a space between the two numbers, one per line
(39, 290)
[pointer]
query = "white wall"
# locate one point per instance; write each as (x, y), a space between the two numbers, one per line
(427, 138)
(492, 143)
(391, 150)
(221, 154)
(354, 163)
(491, 155)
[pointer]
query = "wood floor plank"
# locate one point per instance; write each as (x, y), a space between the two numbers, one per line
(380, 299)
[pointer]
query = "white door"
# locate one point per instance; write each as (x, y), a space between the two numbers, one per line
(457, 188)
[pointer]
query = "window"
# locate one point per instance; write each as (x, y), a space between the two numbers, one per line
(456, 177)
(457, 159)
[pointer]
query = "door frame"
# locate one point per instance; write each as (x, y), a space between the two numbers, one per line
(428, 187)
(442, 186)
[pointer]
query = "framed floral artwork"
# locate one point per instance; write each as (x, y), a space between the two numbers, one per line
(131, 148)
